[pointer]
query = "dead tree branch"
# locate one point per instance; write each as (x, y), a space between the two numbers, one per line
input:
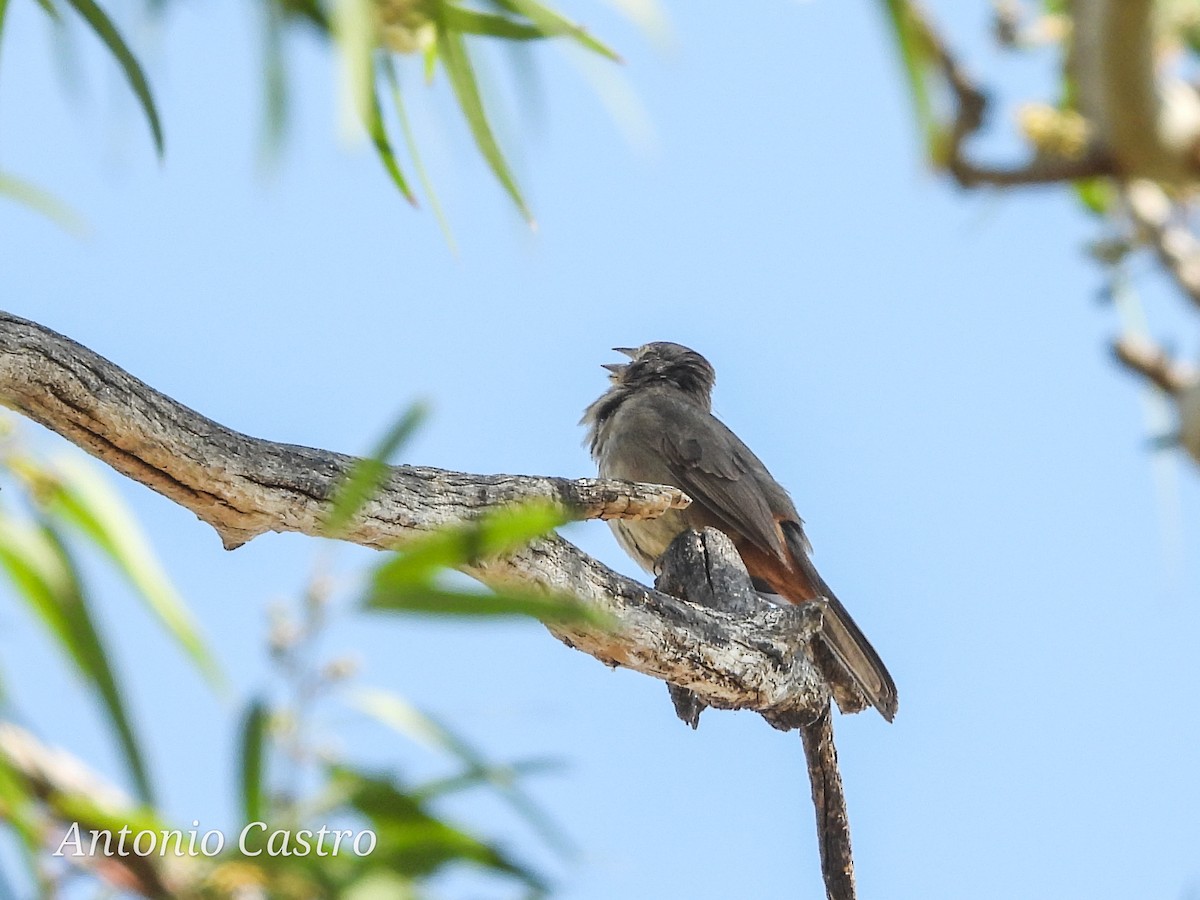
(1161, 224)
(59, 781)
(1140, 123)
(705, 568)
(1152, 362)
(829, 802)
(970, 110)
(244, 486)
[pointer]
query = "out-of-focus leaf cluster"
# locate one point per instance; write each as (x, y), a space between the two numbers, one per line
(1053, 127)
(288, 777)
(367, 35)
(50, 511)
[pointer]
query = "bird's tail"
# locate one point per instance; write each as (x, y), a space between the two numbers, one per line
(843, 636)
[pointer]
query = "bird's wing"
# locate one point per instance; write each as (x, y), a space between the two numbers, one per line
(713, 467)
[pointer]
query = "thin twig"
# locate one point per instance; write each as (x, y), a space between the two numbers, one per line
(829, 802)
(969, 115)
(1152, 362)
(1160, 224)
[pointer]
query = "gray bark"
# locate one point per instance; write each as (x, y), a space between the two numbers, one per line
(706, 569)
(756, 658)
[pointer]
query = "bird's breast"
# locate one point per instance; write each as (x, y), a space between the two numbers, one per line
(646, 540)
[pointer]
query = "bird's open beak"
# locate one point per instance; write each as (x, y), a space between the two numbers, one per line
(631, 352)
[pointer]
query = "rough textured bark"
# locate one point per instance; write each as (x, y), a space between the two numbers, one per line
(829, 801)
(706, 569)
(244, 486)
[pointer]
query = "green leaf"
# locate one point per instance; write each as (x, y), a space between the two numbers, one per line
(472, 21)
(551, 23)
(40, 568)
(353, 26)
(429, 59)
(912, 43)
(17, 808)
(40, 201)
(253, 756)
(389, 72)
(107, 32)
(488, 776)
(309, 11)
(84, 500)
(1097, 194)
(383, 146)
(454, 56)
(276, 103)
(92, 813)
(407, 581)
(411, 840)
(3, 11)
(406, 719)
(493, 534)
(47, 6)
(435, 601)
(380, 884)
(366, 475)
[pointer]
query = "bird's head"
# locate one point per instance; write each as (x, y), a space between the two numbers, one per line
(657, 365)
(664, 363)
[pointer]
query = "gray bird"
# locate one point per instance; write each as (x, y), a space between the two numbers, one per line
(655, 424)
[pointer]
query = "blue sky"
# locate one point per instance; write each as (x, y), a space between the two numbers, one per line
(924, 369)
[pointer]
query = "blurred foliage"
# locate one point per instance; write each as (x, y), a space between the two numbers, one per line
(410, 582)
(921, 72)
(366, 35)
(44, 508)
(1051, 129)
(287, 778)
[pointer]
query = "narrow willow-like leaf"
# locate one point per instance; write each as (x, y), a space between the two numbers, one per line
(276, 105)
(354, 30)
(472, 21)
(380, 884)
(436, 601)
(490, 535)
(403, 717)
(413, 841)
(102, 813)
(454, 56)
(253, 757)
(410, 142)
(910, 43)
(3, 13)
(502, 774)
(16, 809)
(42, 202)
(552, 23)
(49, 9)
(429, 60)
(308, 10)
(366, 475)
(39, 566)
(100, 23)
(83, 499)
(383, 146)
